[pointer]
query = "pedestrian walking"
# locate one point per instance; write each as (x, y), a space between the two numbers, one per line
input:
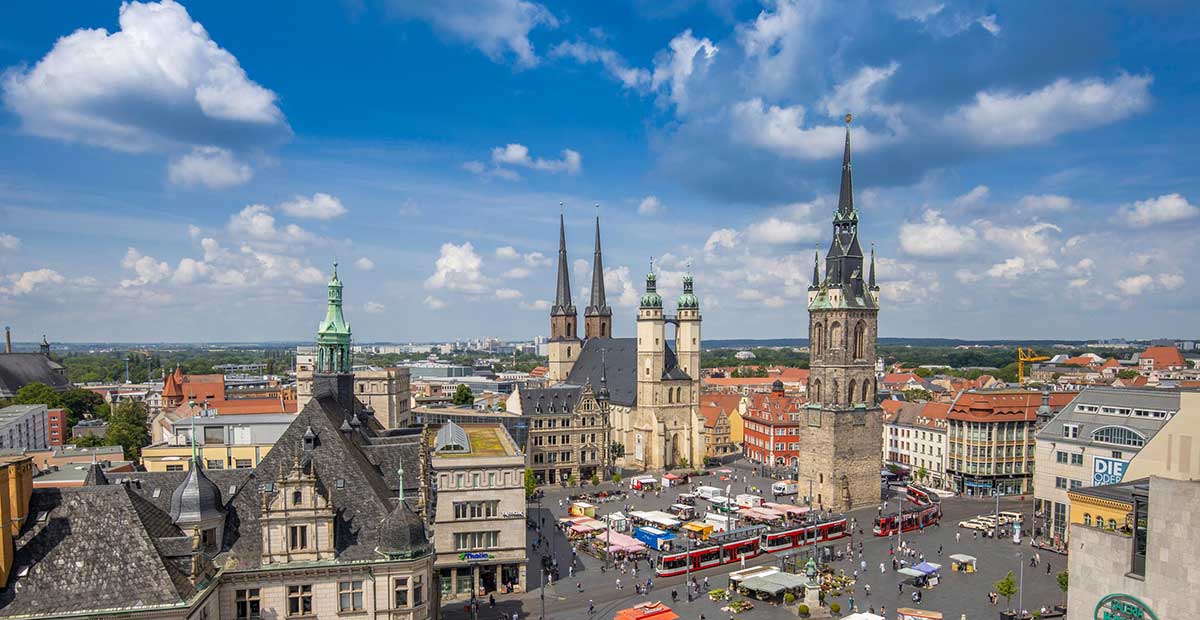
(939, 550)
(591, 607)
(900, 588)
(881, 570)
(618, 584)
(958, 537)
(863, 565)
(1047, 568)
(867, 588)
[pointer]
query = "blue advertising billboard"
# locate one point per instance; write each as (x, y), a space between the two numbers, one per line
(1107, 470)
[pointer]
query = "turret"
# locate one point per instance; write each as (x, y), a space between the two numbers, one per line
(332, 376)
(687, 332)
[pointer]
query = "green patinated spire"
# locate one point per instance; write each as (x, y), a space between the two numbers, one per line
(333, 334)
(651, 298)
(688, 299)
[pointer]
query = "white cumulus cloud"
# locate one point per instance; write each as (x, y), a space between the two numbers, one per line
(210, 166)
(725, 238)
(514, 154)
(9, 242)
(977, 195)
(674, 67)
(157, 82)
(498, 28)
(26, 282)
(1164, 209)
(146, 269)
(650, 205)
(1045, 202)
(584, 53)
(934, 236)
(776, 231)
(374, 307)
(364, 264)
(1013, 119)
(319, 206)
(508, 293)
(256, 222)
(459, 269)
(433, 302)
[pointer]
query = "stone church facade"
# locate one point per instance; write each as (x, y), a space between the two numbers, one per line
(650, 388)
(841, 431)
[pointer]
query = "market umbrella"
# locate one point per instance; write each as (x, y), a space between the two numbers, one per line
(911, 572)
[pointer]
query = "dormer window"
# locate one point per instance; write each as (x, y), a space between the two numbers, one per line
(297, 498)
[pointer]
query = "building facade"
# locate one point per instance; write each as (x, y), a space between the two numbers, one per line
(56, 427)
(1091, 442)
(566, 432)
(24, 427)
(771, 428)
(1143, 568)
(654, 418)
(915, 440)
(841, 429)
(718, 426)
(991, 439)
(478, 510)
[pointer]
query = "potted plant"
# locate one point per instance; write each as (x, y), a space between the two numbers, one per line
(789, 599)
(802, 609)
(835, 608)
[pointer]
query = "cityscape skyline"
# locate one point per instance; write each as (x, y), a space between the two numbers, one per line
(1034, 187)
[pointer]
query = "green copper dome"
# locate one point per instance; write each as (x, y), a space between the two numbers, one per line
(688, 299)
(651, 298)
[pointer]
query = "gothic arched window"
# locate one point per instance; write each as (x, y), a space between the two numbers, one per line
(835, 391)
(816, 391)
(835, 336)
(815, 337)
(866, 398)
(860, 340)
(850, 393)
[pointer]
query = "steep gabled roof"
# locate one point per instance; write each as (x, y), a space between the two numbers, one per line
(20, 369)
(89, 549)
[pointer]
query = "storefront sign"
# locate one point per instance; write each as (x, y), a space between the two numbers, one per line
(475, 556)
(1107, 471)
(1123, 607)
(514, 515)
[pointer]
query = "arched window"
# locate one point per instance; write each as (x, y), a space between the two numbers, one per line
(860, 340)
(816, 391)
(1119, 435)
(835, 336)
(1087, 519)
(815, 345)
(866, 397)
(1112, 524)
(568, 351)
(603, 330)
(297, 498)
(850, 393)
(835, 391)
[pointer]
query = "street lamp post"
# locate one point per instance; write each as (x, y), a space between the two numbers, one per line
(1021, 584)
(687, 571)
(996, 514)
(543, 594)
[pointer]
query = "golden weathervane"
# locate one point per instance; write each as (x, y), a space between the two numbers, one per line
(848, 117)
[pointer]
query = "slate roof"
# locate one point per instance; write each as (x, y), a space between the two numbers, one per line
(1127, 398)
(555, 400)
(20, 369)
(76, 559)
(355, 486)
(618, 356)
(1119, 492)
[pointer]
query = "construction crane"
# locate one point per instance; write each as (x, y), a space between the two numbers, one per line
(1026, 355)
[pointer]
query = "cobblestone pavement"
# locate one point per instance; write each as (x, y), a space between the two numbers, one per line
(957, 594)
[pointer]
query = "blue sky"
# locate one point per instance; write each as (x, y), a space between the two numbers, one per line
(189, 171)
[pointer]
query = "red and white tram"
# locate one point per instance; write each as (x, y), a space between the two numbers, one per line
(926, 511)
(748, 542)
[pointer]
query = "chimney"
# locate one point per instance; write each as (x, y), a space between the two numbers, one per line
(7, 339)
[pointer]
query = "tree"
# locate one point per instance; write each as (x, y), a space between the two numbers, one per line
(924, 373)
(1063, 581)
(572, 480)
(38, 394)
(617, 449)
(915, 394)
(127, 427)
(80, 404)
(1007, 588)
(530, 482)
(463, 395)
(88, 441)
(595, 480)
(617, 478)
(1127, 374)
(921, 474)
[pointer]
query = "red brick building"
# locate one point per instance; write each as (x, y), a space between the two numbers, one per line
(771, 431)
(56, 427)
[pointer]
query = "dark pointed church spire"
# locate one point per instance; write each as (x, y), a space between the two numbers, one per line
(562, 298)
(846, 194)
(816, 280)
(598, 314)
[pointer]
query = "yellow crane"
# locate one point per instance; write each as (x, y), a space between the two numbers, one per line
(1026, 355)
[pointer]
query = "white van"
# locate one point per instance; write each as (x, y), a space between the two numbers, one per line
(707, 492)
(785, 487)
